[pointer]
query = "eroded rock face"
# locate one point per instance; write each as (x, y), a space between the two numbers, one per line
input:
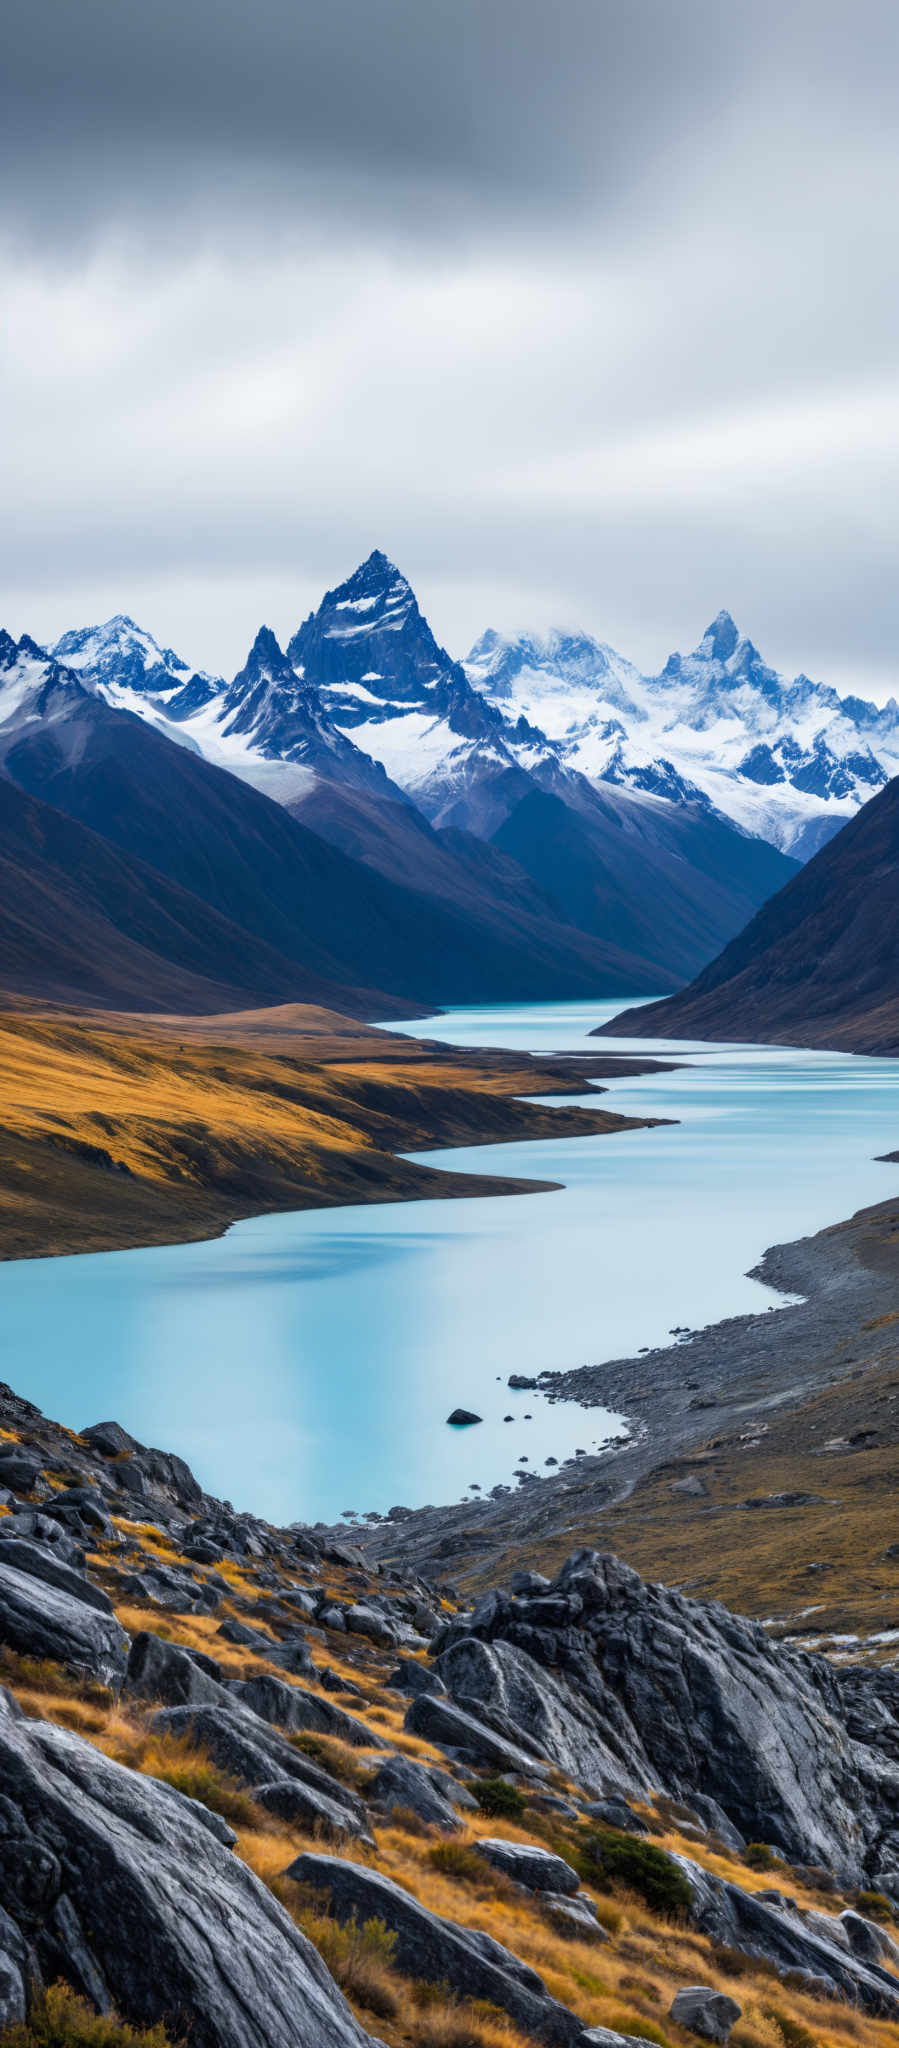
(161, 1671)
(117, 1882)
(473, 1964)
(817, 1944)
(629, 1686)
(257, 1757)
(468, 1735)
(583, 1733)
(400, 1781)
(291, 1707)
(42, 1620)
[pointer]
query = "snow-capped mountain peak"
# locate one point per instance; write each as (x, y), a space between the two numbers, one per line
(34, 688)
(121, 654)
(365, 694)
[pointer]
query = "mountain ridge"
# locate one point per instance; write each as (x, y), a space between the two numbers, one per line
(817, 965)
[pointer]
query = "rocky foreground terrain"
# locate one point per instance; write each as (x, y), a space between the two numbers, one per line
(256, 1791)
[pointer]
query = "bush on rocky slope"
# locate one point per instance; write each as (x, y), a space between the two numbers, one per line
(640, 1867)
(59, 2019)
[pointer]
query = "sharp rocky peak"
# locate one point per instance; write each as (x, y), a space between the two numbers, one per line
(267, 649)
(720, 639)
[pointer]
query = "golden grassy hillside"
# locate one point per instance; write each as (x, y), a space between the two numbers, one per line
(129, 1131)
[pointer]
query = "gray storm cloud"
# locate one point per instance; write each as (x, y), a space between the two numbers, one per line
(582, 311)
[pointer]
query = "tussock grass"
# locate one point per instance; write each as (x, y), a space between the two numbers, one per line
(59, 2019)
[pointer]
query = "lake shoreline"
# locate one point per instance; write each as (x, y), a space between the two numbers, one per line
(697, 1401)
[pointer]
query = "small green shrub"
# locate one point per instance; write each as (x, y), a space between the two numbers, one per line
(59, 2019)
(498, 1798)
(760, 1857)
(642, 1868)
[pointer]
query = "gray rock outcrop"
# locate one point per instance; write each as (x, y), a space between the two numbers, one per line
(291, 1707)
(816, 1944)
(255, 1756)
(116, 1882)
(400, 1781)
(42, 1620)
(439, 1951)
(630, 1687)
(705, 2011)
(527, 1864)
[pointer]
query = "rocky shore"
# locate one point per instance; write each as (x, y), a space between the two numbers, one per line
(731, 1379)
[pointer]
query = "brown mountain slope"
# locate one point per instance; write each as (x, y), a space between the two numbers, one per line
(818, 965)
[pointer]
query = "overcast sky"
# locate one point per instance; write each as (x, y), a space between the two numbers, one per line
(586, 311)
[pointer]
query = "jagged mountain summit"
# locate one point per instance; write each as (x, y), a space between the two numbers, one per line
(365, 728)
(364, 695)
(788, 762)
(380, 675)
(120, 656)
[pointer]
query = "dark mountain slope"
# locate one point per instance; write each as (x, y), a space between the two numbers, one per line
(666, 884)
(818, 965)
(82, 922)
(248, 859)
(502, 902)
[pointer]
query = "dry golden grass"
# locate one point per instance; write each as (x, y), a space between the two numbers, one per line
(627, 1983)
(212, 1124)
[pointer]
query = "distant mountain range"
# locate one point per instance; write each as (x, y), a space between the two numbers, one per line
(788, 761)
(538, 820)
(818, 965)
(364, 693)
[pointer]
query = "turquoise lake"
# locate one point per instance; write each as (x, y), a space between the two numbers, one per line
(305, 1364)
